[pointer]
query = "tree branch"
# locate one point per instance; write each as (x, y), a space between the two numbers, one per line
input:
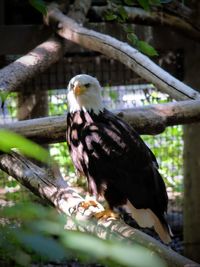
(26, 67)
(132, 58)
(152, 119)
(65, 199)
(40, 58)
(158, 17)
(41, 182)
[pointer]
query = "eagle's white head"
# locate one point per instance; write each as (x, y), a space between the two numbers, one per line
(84, 93)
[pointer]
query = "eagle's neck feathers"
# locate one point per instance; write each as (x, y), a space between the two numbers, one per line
(85, 103)
(96, 109)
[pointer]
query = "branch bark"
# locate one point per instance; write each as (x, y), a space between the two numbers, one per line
(41, 182)
(152, 119)
(65, 199)
(132, 58)
(40, 58)
(26, 67)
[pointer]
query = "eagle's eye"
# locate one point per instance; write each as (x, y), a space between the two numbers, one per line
(87, 85)
(71, 86)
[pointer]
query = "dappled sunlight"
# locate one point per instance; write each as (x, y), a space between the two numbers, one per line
(38, 54)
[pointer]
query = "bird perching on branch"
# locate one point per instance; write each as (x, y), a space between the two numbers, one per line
(114, 158)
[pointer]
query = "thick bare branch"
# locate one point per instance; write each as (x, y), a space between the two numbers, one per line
(152, 119)
(65, 199)
(40, 58)
(111, 47)
(41, 182)
(26, 67)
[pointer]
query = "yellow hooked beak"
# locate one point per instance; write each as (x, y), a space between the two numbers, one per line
(79, 89)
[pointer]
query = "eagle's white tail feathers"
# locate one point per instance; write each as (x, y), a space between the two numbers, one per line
(146, 218)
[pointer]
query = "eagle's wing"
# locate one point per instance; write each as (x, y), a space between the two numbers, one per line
(120, 163)
(117, 152)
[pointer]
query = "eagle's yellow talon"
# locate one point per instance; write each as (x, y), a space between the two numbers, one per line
(106, 214)
(86, 204)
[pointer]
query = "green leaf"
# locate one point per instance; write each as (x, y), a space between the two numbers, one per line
(132, 38)
(39, 5)
(118, 252)
(10, 140)
(122, 12)
(144, 4)
(25, 211)
(113, 95)
(135, 255)
(3, 96)
(110, 16)
(43, 246)
(146, 48)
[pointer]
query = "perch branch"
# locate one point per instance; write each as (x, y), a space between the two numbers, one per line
(41, 57)
(152, 119)
(132, 58)
(65, 199)
(41, 182)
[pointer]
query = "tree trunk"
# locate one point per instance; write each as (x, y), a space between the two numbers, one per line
(191, 191)
(192, 166)
(32, 105)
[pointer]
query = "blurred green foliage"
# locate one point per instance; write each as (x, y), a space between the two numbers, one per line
(39, 5)
(35, 234)
(10, 140)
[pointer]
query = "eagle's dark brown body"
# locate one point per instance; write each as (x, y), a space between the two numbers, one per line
(116, 161)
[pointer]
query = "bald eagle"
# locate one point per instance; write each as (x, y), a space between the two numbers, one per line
(114, 158)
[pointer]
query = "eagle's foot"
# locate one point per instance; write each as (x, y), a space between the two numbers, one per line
(88, 208)
(88, 203)
(106, 214)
